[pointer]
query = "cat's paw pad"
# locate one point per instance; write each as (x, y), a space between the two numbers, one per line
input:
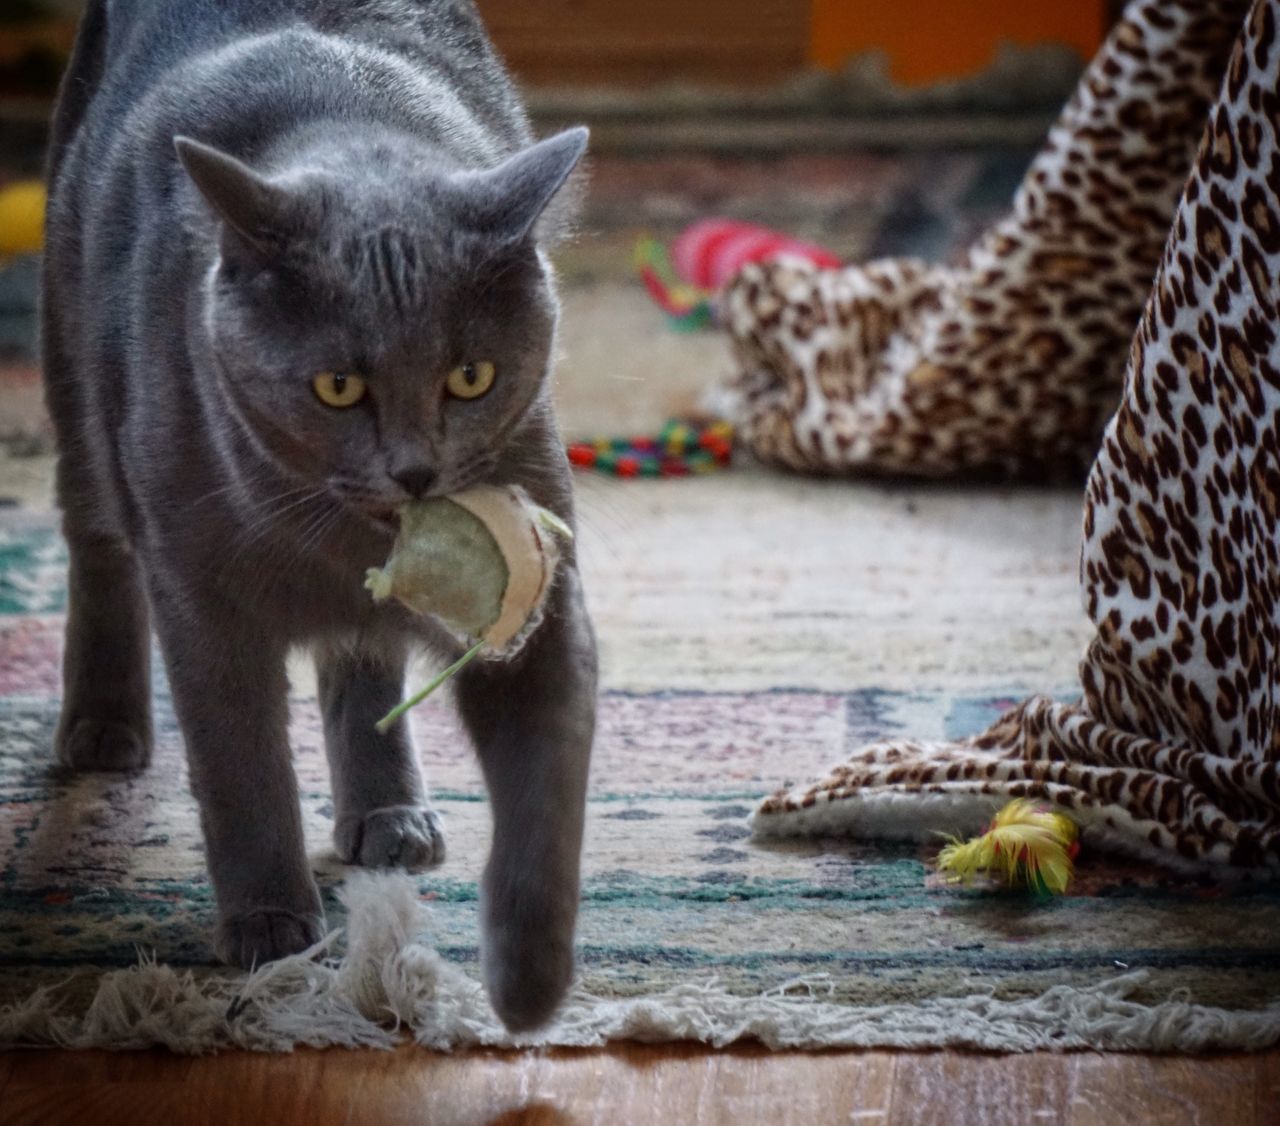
(103, 745)
(251, 938)
(400, 836)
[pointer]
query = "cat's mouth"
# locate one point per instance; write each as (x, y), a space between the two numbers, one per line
(375, 512)
(385, 519)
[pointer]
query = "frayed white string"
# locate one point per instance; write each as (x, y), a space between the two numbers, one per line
(391, 981)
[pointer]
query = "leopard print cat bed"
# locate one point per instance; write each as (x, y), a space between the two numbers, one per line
(1013, 361)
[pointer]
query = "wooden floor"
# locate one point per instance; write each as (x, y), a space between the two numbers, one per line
(630, 1085)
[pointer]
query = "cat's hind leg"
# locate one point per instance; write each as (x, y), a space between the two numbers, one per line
(381, 815)
(106, 696)
(105, 722)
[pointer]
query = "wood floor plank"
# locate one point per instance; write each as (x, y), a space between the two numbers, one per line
(959, 1089)
(1165, 1091)
(1268, 1085)
(633, 1083)
(6, 1069)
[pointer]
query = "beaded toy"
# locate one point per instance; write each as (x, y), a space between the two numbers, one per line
(681, 448)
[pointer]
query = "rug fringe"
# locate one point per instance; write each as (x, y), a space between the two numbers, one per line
(392, 983)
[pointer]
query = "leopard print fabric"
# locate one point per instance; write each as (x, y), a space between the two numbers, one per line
(1173, 752)
(1012, 361)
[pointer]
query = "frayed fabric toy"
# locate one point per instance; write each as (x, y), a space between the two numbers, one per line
(481, 562)
(1027, 845)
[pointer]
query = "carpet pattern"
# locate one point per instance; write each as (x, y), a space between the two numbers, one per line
(95, 871)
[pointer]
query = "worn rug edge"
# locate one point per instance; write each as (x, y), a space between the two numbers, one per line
(391, 984)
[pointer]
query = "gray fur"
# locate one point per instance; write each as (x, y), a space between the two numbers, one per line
(244, 193)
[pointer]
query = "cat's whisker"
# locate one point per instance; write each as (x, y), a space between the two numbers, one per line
(248, 483)
(284, 557)
(598, 538)
(268, 516)
(311, 519)
(266, 512)
(323, 526)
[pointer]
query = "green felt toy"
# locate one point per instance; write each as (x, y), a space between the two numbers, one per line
(480, 561)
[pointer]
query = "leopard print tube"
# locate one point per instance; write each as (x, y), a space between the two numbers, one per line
(1173, 750)
(1011, 362)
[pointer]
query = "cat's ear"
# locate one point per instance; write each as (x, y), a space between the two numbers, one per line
(256, 211)
(507, 201)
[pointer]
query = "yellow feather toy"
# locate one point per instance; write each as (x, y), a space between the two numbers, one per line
(1028, 844)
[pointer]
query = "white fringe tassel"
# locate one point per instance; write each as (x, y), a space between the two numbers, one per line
(391, 982)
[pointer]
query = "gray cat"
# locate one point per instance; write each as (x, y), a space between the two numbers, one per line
(293, 279)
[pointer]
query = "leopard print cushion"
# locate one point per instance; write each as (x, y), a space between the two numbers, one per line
(1012, 361)
(1173, 751)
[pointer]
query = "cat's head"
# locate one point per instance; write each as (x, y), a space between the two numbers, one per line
(381, 324)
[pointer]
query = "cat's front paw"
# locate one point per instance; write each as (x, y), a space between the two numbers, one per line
(103, 745)
(264, 934)
(526, 978)
(399, 836)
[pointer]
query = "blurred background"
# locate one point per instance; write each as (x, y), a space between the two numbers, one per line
(869, 127)
(722, 42)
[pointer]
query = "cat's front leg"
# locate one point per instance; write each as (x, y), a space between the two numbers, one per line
(533, 720)
(381, 815)
(230, 692)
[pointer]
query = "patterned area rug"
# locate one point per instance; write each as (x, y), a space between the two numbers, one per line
(754, 630)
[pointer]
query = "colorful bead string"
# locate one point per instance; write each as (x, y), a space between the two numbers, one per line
(681, 448)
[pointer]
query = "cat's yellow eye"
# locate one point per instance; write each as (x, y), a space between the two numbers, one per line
(470, 381)
(338, 389)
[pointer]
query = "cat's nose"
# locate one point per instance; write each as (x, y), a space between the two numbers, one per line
(416, 480)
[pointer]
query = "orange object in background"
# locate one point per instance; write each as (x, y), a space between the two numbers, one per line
(935, 40)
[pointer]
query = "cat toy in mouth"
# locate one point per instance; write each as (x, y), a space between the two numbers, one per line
(481, 562)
